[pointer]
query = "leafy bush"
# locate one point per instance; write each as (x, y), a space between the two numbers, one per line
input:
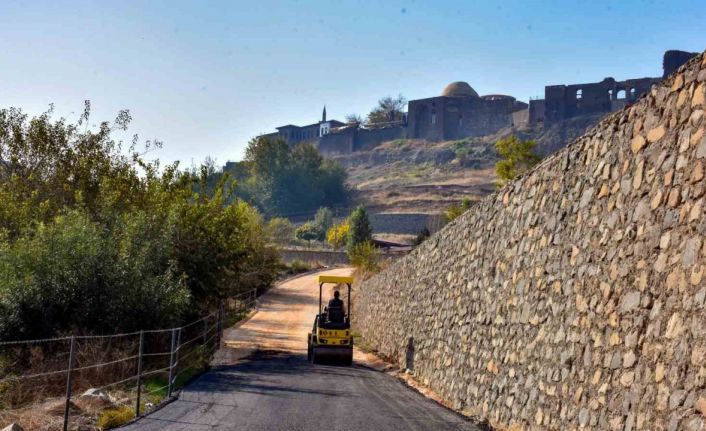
(517, 158)
(452, 212)
(360, 230)
(70, 273)
(323, 220)
(280, 230)
(92, 240)
(364, 256)
(113, 418)
(307, 232)
(337, 235)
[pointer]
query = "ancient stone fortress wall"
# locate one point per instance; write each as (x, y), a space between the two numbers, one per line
(575, 297)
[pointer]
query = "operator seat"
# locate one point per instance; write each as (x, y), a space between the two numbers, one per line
(333, 318)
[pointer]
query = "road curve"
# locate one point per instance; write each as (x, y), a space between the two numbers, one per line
(262, 381)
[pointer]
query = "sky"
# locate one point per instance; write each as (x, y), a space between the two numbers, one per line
(205, 77)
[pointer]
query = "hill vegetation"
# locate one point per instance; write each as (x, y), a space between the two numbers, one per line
(280, 180)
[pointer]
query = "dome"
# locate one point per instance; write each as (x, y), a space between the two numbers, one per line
(459, 89)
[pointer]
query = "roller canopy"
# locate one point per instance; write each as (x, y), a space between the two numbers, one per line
(335, 279)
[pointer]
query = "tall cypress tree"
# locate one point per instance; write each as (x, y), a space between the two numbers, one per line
(360, 230)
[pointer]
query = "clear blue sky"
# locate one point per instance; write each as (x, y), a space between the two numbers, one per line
(205, 77)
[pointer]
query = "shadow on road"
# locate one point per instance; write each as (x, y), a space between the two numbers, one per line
(273, 390)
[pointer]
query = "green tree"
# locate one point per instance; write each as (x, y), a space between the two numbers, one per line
(517, 158)
(285, 180)
(359, 228)
(94, 238)
(388, 109)
(353, 118)
(337, 235)
(280, 230)
(323, 220)
(307, 232)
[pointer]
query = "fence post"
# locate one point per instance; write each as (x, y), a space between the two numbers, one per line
(205, 332)
(176, 356)
(171, 363)
(219, 329)
(139, 373)
(69, 382)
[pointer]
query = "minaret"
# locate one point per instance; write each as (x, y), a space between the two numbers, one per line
(323, 116)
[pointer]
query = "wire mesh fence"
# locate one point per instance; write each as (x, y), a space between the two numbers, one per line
(98, 381)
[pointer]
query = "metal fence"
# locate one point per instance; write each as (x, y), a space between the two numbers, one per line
(134, 371)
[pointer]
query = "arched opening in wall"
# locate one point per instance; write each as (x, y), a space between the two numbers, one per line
(621, 95)
(633, 93)
(610, 94)
(433, 117)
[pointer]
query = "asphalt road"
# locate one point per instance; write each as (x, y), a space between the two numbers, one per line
(262, 381)
(276, 391)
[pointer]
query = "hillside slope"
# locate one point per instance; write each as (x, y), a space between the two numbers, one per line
(413, 175)
(575, 296)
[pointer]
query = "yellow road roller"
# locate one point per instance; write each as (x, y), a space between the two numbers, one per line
(330, 340)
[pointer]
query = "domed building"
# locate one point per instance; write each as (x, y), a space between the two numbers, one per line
(460, 112)
(459, 89)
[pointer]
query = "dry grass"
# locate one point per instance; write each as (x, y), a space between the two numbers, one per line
(38, 403)
(419, 176)
(428, 190)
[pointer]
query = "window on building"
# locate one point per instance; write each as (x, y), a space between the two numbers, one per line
(610, 94)
(579, 94)
(621, 94)
(433, 117)
(633, 93)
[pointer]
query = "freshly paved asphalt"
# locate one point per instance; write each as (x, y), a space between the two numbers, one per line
(262, 381)
(279, 391)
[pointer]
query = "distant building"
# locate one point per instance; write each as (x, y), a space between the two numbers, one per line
(459, 112)
(562, 102)
(294, 135)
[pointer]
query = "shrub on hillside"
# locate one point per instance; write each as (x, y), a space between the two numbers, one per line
(517, 158)
(365, 257)
(359, 230)
(452, 212)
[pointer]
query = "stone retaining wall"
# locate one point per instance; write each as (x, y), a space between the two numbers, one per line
(573, 298)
